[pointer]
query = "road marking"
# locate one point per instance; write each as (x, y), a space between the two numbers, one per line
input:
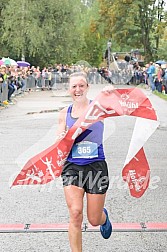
(63, 227)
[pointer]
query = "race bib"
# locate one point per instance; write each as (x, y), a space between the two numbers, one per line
(85, 150)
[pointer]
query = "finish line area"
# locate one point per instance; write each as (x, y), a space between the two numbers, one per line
(63, 227)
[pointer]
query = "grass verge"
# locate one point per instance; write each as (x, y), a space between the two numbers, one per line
(163, 96)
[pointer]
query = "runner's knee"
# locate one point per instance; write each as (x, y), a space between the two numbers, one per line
(76, 216)
(94, 221)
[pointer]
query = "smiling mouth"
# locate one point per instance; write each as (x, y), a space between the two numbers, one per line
(78, 95)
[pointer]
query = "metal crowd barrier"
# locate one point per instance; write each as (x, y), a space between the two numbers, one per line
(59, 81)
(0, 92)
(3, 92)
(56, 81)
(30, 82)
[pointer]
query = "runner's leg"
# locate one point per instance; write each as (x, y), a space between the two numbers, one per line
(95, 205)
(74, 198)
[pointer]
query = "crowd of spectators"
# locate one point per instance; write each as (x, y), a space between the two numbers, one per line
(156, 77)
(153, 75)
(19, 79)
(11, 81)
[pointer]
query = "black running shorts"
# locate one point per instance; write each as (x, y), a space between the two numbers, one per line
(93, 177)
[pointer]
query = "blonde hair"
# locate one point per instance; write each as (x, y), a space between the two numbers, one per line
(79, 74)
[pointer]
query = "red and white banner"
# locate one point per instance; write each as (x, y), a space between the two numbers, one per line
(47, 165)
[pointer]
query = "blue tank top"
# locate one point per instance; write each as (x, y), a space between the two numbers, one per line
(88, 146)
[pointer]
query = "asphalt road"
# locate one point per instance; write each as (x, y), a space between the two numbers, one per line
(28, 127)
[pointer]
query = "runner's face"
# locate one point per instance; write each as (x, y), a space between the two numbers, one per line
(78, 88)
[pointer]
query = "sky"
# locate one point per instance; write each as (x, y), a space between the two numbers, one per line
(165, 4)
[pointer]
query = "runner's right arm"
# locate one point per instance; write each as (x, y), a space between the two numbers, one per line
(62, 130)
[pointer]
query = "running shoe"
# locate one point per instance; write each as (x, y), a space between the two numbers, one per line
(106, 228)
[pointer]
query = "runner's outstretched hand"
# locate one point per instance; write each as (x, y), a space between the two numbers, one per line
(108, 89)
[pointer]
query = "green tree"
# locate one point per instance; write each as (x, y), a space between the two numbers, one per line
(92, 50)
(43, 31)
(48, 32)
(2, 45)
(131, 23)
(21, 30)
